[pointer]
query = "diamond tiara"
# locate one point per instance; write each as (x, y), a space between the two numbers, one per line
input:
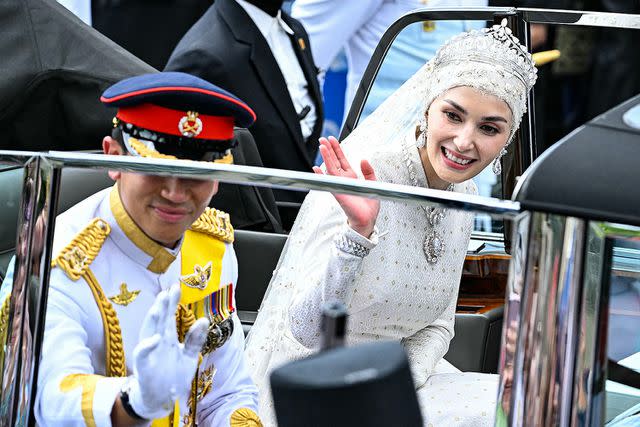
(496, 46)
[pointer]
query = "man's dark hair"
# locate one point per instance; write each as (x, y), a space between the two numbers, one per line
(116, 134)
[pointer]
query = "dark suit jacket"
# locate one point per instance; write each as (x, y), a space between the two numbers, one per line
(226, 48)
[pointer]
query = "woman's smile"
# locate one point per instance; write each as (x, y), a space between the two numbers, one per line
(456, 160)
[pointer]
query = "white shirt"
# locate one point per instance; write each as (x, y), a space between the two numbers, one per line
(278, 36)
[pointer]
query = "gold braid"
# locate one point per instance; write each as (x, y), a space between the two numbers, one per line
(214, 223)
(184, 319)
(114, 349)
(145, 151)
(75, 258)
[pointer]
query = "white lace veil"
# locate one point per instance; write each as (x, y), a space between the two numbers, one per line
(487, 60)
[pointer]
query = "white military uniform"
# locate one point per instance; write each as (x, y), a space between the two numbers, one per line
(106, 276)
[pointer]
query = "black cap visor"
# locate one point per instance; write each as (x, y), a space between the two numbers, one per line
(181, 147)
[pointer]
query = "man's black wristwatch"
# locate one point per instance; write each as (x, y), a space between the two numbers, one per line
(124, 399)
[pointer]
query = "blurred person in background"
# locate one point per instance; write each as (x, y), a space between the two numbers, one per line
(358, 26)
(614, 73)
(597, 68)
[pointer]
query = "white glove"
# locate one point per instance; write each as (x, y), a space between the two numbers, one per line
(163, 368)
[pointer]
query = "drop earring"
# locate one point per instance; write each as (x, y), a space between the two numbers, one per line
(422, 137)
(497, 164)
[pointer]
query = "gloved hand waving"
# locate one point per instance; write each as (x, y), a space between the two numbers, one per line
(163, 368)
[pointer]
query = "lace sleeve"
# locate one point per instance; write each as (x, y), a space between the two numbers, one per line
(335, 282)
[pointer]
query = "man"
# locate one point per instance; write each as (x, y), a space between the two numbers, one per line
(141, 323)
(260, 53)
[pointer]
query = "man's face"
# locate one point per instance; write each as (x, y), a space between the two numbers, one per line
(163, 207)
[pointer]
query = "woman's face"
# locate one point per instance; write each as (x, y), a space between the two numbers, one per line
(466, 131)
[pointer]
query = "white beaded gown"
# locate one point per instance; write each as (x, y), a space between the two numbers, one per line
(393, 293)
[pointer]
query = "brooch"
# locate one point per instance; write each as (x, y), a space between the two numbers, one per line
(125, 297)
(199, 278)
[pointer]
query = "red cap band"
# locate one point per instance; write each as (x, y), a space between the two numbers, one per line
(179, 123)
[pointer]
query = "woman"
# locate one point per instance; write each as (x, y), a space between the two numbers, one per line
(397, 266)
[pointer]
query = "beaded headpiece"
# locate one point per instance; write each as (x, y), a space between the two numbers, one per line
(491, 60)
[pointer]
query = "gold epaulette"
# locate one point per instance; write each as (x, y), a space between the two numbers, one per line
(76, 257)
(214, 223)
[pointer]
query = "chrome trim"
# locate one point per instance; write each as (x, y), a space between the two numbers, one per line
(281, 178)
(17, 158)
(580, 18)
(543, 367)
(569, 309)
(588, 406)
(507, 405)
(487, 236)
(24, 338)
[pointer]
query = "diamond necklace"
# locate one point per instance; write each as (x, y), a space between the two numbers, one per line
(433, 244)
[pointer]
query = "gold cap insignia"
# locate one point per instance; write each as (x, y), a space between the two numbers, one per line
(190, 125)
(199, 278)
(125, 297)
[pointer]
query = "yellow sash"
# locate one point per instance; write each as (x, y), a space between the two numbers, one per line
(198, 249)
(166, 422)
